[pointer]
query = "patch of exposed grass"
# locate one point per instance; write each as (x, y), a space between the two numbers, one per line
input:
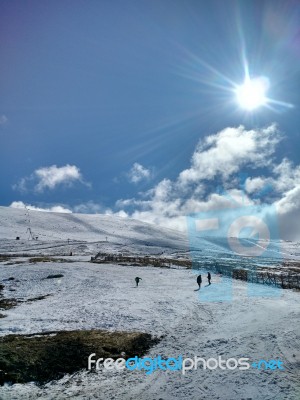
(47, 356)
(53, 276)
(38, 298)
(41, 259)
(48, 259)
(6, 304)
(140, 260)
(15, 262)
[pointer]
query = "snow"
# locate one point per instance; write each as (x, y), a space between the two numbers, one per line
(104, 296)
(91, 230)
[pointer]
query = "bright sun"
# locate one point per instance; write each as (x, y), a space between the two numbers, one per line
(252, 93)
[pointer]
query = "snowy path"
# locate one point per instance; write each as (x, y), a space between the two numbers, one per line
(104, 296)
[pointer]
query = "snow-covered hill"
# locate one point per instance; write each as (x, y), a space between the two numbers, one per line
(82, 233)
(92, 227)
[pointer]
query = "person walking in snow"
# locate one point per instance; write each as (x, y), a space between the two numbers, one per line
(137, 280)
(199, 281)
(209, 278)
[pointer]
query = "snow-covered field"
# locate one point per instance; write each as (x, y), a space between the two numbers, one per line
(103, 296)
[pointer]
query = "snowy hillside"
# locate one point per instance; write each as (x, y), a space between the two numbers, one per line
(96, 227)
(83, 233)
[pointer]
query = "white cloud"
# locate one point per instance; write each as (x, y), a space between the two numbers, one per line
(219, 159)
(88, 208)
(286, 175)
(49, 178)
(226, 152)
(288, 209)
(21, 186)
(138, 173)
(120, 213)
(3, 119)
(57, 208)
(84, 208)
(254, 184)
(290, 201)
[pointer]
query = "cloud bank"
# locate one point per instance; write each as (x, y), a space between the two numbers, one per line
(58, 209)
(217, 179)
(88, 207)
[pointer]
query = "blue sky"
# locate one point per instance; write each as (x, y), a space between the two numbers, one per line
(103, 103)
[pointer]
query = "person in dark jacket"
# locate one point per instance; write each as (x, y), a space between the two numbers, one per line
(137, 280)
(209, 278)
(199, 280)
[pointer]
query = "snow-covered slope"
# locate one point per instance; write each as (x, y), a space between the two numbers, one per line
(112, 232)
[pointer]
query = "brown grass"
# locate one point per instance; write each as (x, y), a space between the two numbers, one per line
(44, 357)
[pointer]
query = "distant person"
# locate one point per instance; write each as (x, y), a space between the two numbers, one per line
(137, 280)
(199, 281)
(209, 278)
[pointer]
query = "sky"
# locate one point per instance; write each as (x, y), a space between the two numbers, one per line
(130, 107)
